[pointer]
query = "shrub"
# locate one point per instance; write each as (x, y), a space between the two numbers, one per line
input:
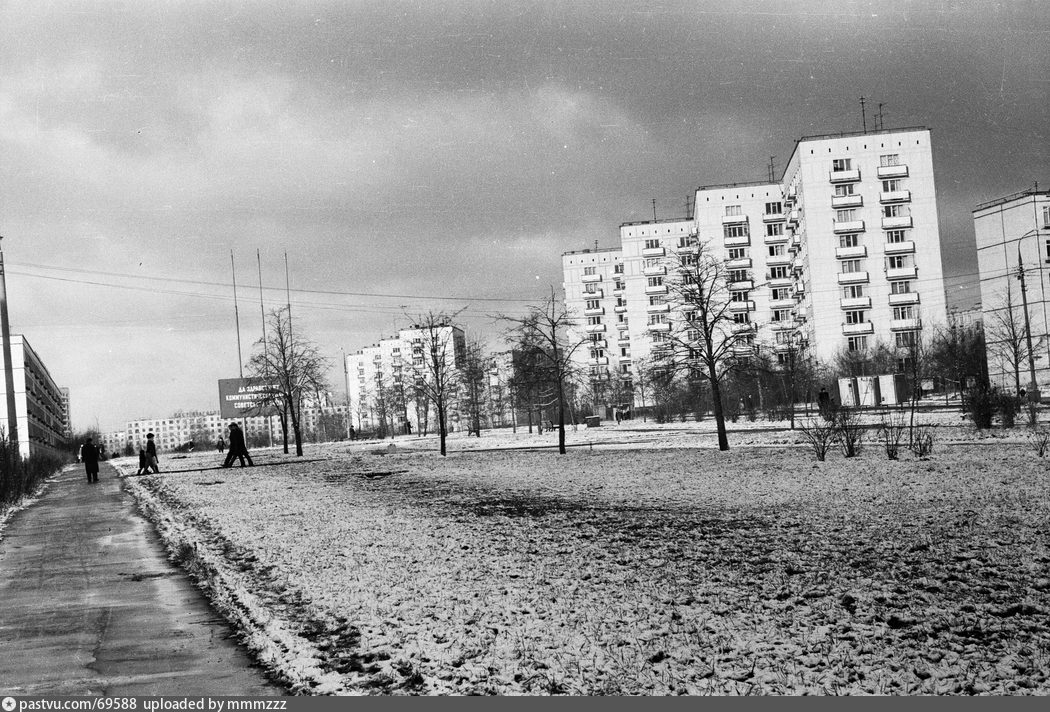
(922, 441)
(20, 477)
(1040, 440)
(820, 434)
(892, 433)
(981, 404)
(850, 431)
(1008, 407)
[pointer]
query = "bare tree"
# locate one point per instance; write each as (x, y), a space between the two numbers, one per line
(473, 374)
(436, 353)
(1006, 337)
(543, 334)
(704, 339)
(294, 365)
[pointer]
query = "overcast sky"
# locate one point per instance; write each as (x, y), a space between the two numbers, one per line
(443, 152)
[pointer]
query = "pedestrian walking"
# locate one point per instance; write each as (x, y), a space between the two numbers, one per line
(238, 448)
(221, 445)
(143, 462)
(151, 453)
(89, 456)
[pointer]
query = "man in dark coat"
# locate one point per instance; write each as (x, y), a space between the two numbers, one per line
(89, 455)
(238, 448)
(151, 453)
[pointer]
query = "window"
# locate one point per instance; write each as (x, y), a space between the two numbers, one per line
(593, 304)
(597, 353)
(898, 261)
(735, 230)
(848, 215)
(890, 159)
(621, 318)
(841, 191)
(656, 281)
(841, 164)
(850, 266)
(625, 368)
(783, 337)
(907, 312)
(775, 229)
(689, 316)
(777, 250)
(650, 262)
(742, 317)
(892, 186)
(625, 352)
(588, 271)
(590, 288)
(774, 208)
(779, 272)
(659, 337)
(692, 335)
(894, 211)
(896, 235)
(1046, 215)
(621, 302)
(781, 315)
(905, 339)
(737, 253)
(618, 268)
(597, 337)
(854, 291)
(848, 241)
(652, 244)
(739, 296)
(857, 343)
(738, 275)
(733, 210)
(855, 316)
(657, 299)
(688, 241)
(780, 293)
(618, 284)
(900, 287)
(594, 320)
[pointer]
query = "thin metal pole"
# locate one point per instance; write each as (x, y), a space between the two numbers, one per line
(288, 296)
(236, 317)
(266, 346)
(9, 371)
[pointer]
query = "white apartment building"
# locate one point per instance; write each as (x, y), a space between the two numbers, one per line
(394, 364)
(1008, 231)
(39, 406)
(842, 254)
(595, 293)
(864, 207)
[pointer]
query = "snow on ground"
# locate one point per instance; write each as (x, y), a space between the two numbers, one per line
(644, 561)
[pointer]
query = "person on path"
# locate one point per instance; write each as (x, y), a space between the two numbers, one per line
(143, 462)
(238, 449)
(89, 456)
(824, 402)
(151, 453)
(221, 445)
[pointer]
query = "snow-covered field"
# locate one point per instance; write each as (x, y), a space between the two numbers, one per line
(642, 562)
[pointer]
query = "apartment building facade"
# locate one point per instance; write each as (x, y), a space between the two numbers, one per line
(843, 253)
(381, 378)
(1013, 234)
(39, 411)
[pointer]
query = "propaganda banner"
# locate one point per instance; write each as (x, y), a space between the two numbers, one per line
(246, 397)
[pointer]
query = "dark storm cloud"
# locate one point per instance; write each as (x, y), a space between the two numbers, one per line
(451, 148)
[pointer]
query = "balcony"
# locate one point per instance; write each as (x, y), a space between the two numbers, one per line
(852, 277)
(600, 361)
(856, 303)
(617, 292)
(657, 308)
(776, 239)
(899, 248)
(845, 253)
(621, 326)
(905, 324)
(659, 289)
(733, 219)
(782, 303)
(848, 226)
(895, 196)
(620, 309)
(847, 201)
(595, 328)
(654, 271)
(773, 217)
(594, 312)
(778, 260)
(588, 278)
(845, 176)
(596, 294)
(742, 263)
(892, 171)
(653, 252)
(896, 222)
(793, 216)
(786, 325)
(623, 340)
(742, 241)
(743, 349)
(782, 281)
(854, 329)
(906, 298)
(902, 273)
(747, 326)
(742, 285)
(664, 326)
(598, 344)
(742, 306)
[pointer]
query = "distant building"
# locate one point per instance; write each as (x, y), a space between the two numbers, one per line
(1011, 231)
(67, 418)
(39, 410)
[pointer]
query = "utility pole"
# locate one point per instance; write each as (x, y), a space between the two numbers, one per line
(654, 209)
(346, 375)
(9, 368)
(1033, 388)
(863, 116)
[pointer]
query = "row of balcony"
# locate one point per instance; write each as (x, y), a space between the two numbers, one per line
(867, 327)
(886, 197)
(850, 226)
(853, 175)
(890, 248)
(862, 277)
(894, 300)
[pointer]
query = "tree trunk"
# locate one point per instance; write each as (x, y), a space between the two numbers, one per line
(442, 428)
(716, 405)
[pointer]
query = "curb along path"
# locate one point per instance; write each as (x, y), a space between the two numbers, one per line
(90, 605)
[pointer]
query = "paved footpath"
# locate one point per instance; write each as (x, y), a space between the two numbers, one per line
(90, 605)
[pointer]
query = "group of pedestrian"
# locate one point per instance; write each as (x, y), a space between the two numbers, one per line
(90, 454)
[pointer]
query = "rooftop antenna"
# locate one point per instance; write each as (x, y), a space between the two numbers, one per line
(654, 209)
(688, 206)
(236, 317)
(772, 171)
(880, 124)
(863, 116)
(595, 245)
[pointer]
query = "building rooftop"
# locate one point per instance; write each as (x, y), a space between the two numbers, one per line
(1010, 198)
(592, 249)
(742, 184)
(654, 222)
